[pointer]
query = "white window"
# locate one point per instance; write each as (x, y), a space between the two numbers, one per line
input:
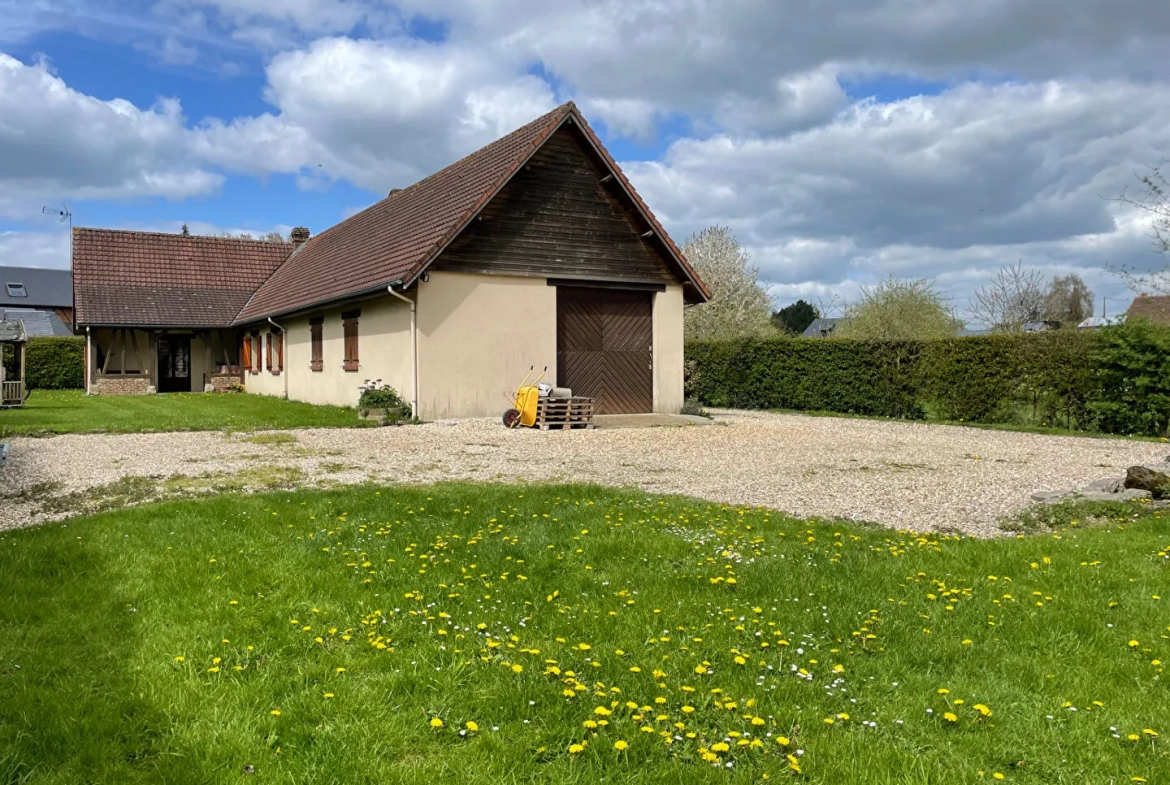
(16, 290)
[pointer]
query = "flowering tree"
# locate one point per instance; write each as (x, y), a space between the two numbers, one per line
(740, 305)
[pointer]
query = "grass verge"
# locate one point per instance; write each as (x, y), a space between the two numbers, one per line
(50, 412)
(502, 634)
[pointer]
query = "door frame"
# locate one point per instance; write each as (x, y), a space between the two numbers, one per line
(171, 339)
(650, 289)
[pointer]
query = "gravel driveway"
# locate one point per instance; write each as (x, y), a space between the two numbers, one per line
(903, 475)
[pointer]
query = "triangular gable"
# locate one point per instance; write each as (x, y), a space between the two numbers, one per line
(561, 215)
(395, 240)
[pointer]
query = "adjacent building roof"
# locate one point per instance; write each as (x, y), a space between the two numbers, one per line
(149, 279)
(394, 240)
(35, 287)
(37, 323)
(1155, 308)
(1094, 322)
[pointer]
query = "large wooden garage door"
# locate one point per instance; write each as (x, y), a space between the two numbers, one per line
(604, 341)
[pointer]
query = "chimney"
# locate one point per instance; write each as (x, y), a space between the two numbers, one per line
(299, 236)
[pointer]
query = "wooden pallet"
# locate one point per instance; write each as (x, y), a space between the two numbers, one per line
(562, 414)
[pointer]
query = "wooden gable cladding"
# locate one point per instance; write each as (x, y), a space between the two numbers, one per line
(556, 218)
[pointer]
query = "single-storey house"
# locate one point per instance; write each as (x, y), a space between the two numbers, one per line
(533, 251)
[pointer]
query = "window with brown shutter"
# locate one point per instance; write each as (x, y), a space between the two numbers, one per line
(276, 350)
(349, 322)
(316, 357)
(257, 351)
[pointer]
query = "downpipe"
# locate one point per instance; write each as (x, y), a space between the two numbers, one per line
(413, 347)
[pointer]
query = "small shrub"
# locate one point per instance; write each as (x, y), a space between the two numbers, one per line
(376, 395)
(692, 407)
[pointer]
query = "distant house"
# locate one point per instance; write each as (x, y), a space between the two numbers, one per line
(821, 327)
(47, 292)
(533, 251)
(1041, 326)
(1155, 308)
(1096, 322)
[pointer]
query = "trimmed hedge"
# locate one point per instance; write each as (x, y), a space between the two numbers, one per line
(1116, 379)
(55, 363)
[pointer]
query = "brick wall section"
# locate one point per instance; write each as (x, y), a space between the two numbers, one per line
(222, 383)
(120, 385)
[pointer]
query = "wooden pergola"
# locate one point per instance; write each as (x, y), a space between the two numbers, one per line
(12, 390)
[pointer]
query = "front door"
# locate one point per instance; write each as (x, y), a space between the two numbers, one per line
(604, 347)
(174, 363)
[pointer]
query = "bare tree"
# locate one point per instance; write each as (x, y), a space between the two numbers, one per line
(267, 237)
(1153, 199)
(1016, 296)
(1069, 300)
(899, 310)
(740, 305)
(832, 306)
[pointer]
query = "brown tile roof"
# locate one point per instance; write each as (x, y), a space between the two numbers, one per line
(1156, 309)
(396, 238)
(154, 279)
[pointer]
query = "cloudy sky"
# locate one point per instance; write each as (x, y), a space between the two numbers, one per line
(842, 140)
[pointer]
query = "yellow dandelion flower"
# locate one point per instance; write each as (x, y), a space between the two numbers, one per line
(575, 749)
(275, 712)
(471, 726)
(620, 745)
(950, 716)
(436, 722)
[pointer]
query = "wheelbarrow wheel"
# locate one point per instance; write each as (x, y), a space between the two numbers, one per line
(511, 418)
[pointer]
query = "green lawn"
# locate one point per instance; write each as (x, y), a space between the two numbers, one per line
(69, 411)
(509, 634)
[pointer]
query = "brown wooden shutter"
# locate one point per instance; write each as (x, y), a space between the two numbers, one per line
(257, 351)
(247, 352)
(350, 329)
(316, 360)
(268, 355)
(279, 352)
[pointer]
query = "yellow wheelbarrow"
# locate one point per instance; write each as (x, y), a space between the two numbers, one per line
(527, 396)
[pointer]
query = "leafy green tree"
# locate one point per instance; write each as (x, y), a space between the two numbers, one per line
(740, 305)
(899, 310)
(795, 318)
(1132, 361)
(1069, 300)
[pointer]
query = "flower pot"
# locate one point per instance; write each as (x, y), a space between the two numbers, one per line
(382, 414)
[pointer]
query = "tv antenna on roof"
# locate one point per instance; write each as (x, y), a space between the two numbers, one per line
(63, 215)
(62, 212)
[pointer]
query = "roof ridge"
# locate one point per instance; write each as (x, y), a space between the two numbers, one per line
(150, 233)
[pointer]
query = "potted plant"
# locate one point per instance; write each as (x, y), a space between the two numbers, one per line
(381, 402)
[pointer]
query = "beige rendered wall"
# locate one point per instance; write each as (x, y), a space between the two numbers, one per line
(668, 350)
(383, 353)
(477, 335)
